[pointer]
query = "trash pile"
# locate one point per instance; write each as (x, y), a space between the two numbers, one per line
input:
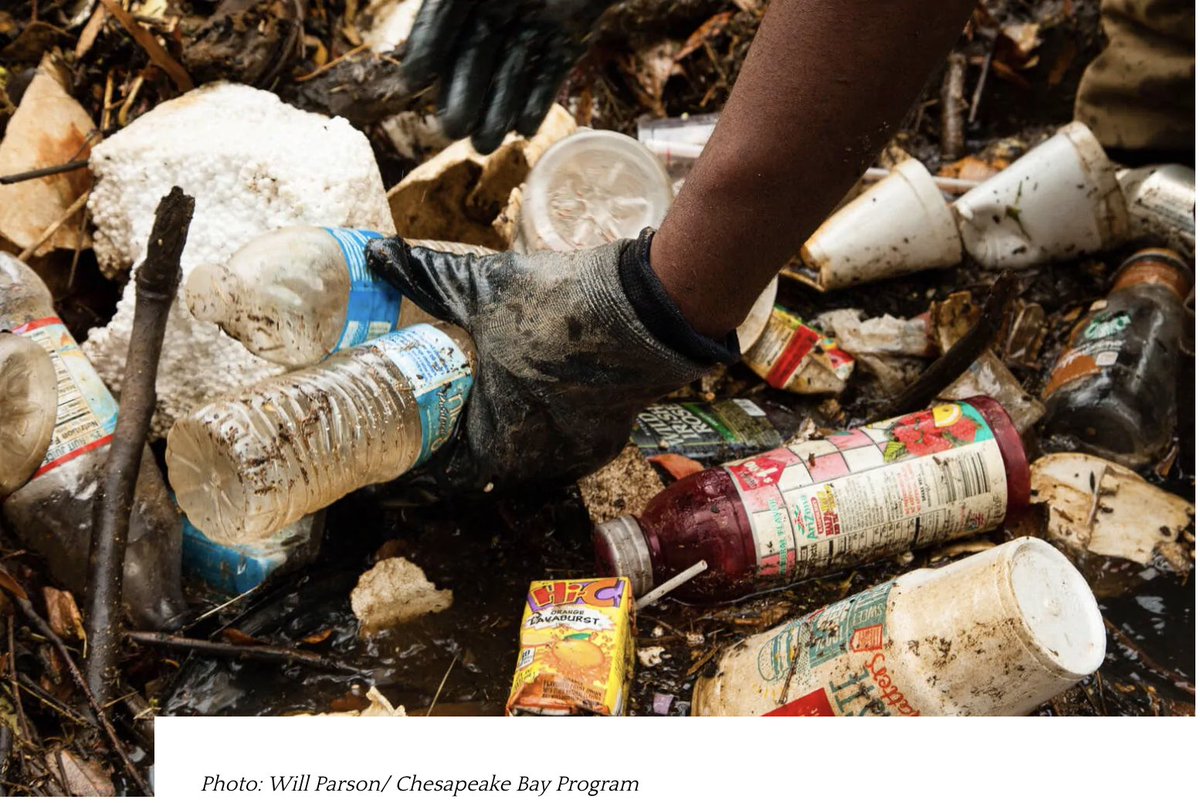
(985, 351)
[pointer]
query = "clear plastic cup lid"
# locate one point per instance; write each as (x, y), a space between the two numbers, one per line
(592, 188)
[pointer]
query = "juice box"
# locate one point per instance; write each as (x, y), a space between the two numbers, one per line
(576, 651)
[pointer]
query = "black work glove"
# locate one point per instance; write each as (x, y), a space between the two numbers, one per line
(501, 62)
(572, 346)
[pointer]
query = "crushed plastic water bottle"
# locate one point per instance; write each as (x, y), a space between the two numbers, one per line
(245, 465)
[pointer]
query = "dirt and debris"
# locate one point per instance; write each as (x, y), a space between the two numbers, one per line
(75, 74)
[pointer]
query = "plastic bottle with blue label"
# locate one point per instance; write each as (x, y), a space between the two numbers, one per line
(52, 512)
(247, 464)
(298, 294)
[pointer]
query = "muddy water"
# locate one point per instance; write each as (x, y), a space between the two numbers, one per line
(487, 552)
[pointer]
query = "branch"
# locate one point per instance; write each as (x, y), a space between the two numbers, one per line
(157, 280)
(242, 652)
(18, 595)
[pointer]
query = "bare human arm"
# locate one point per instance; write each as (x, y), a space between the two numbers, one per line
(822, 90)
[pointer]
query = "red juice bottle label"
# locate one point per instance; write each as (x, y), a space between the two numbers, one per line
(880, 489)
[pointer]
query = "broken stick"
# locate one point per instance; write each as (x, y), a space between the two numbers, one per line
(21, 599)
(242, 652)
(953, 363)
(157, 281)
(953, 106)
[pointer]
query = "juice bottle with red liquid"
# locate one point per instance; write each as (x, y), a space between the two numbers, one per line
(814, 507)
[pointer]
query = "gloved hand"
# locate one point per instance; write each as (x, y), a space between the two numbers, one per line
(571, 347)
(501, 62)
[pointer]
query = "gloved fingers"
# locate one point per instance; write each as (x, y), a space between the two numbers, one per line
(549, 73)
(439, 283)
(509, 91)
(466, 88)
(429, 52)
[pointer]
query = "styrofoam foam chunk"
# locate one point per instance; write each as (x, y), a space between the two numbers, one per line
(253, 164)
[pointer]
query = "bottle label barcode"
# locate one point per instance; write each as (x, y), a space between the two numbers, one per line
(87, 412)
(374, 305)
(440, 376)
(871, 491)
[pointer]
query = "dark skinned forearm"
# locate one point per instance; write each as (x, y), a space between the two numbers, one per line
(822, 90)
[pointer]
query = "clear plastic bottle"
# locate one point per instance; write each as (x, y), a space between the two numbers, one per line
(813, 507)
(52, 513)
(297, 294)
(1113, 390)
(245, 465)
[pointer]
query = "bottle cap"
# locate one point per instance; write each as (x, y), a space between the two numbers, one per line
(621, 551)
(1021, 622)
(592, 188)
(28, 409)
(1155, 266)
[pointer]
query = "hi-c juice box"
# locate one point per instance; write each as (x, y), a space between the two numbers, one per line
(576, 650)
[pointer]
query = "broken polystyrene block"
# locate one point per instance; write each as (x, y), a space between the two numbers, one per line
(253, 164)
(394, 591)
(1102, 508)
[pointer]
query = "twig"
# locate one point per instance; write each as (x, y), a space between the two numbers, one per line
(958, 359)
(22, 724)
(27, 683)
(42, 172)
(1178, 680)
(441, 685)
(983, 74)
(6, 745)
(244, 652)
(157, 279)
(329, 65)
(952, 106)
(704, 659)
(53, 227)
(148, 43)
(17, 594)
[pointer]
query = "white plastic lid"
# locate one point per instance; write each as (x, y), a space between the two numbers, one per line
(1058, 608)
(592, 188)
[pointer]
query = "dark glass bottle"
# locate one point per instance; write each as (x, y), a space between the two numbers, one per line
(1112, 393)
(814, 507)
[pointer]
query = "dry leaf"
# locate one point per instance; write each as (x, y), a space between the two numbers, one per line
(235, 636)
(65, 620)
(83, 778)
(49, 128)
(318, 637)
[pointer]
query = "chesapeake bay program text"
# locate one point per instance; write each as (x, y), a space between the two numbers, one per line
(525, 784)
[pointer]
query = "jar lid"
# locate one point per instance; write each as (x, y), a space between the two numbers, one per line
(592, 188)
